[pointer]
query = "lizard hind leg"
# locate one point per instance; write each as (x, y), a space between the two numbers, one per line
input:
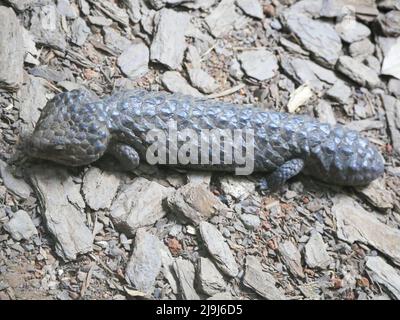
(277, 178)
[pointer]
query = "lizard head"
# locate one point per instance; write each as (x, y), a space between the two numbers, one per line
(71, 130)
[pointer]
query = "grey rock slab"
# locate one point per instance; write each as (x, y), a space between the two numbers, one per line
(392, 108)
(11, 50)
(46, 27)
(362, 48)
(199, 177)
(112, 10)
(358, 72)
(99, 188)
(20, 226)
(350, 30)
(250, 221)
(134, 9)
(237, 187)
(291, 258)
(202, 80)
(251, 7)
(21, 5)
(167, 262)
(31, 100)
(306, 71)
(335, 8)
(391, 62)
(365, 124)
(390, 23)
(221, 296)
(219, 249)
(174, 82)
(100, 21)
(60, 199)
(318, 37)
(354, 223)
(222, 18)
(394, 87)
(384, 274)
(65, 8)
(134, 61)
(194, 202)
(185, 272)
(259, 64)
(340, 92)
(17, 186)
(79, 32)
(138, 204)
(211, 280)
(114, 40)
(377, 194)
(169, 42)
(50, 73)
(145, 262)
(199, 4)
(325, 112)
(261, 281)
(315, 252)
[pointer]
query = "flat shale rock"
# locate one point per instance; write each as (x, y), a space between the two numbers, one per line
(138, 204)
(391, 62)
(65, 8)
(114, 40)
(134, 61)
(320, 38)
(11, 50)
(210, 279)
(237, 187)
(100, 21)
(185, 272)
(31, 99)
(292, 258)
(259, 64)
(194, 202)
(174, 82)
(394, 87)
(390, 23)
(219, 249)
(385, 274)
(99, 188)
(17, 186)
(46, 27)
(145, 262)
(358, 72)
(316, 255)
(261, 281)
(222, 18)
(377, 194)
(250, 221)
(60, 197)
(354, 223)
(325, 112)
(169, 43)
(392, 108)
(339, 92)
(20, 226)
(361, 48)
(306, 71)
(202, 80)
(251, 7)
(350, 30)
(334, 8)
(79, 31)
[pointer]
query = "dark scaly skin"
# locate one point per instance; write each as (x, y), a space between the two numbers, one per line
(76, 129)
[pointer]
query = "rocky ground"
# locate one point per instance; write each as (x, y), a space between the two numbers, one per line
(99, 233)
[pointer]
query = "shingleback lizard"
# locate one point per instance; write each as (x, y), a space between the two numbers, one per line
(75, 128)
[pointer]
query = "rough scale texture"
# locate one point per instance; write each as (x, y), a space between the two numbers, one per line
(76, 129)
